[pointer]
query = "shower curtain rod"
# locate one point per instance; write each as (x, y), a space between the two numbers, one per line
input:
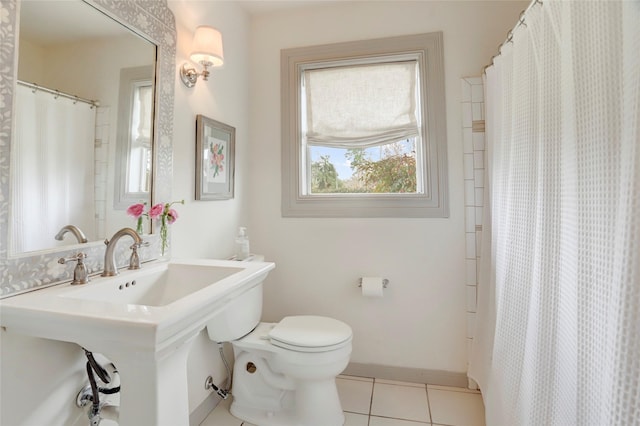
(511, 31)
(57, 93)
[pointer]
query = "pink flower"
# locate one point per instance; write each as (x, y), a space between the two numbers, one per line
(136, 210)
(218, 159)
(156, 211)
(172, 216)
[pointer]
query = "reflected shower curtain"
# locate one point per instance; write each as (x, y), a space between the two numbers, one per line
(52, 169)
(558, 324)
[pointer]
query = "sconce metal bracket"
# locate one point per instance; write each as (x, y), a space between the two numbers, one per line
(188, 75)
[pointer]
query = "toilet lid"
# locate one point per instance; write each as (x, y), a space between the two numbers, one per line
(308, 331)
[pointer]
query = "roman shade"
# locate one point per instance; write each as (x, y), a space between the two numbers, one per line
(361, 106)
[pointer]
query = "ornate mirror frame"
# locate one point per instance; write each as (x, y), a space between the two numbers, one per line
(155, 22)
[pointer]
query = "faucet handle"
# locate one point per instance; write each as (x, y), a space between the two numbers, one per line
(80, 275)
(134, 260)
(140, 244)
(77, 257)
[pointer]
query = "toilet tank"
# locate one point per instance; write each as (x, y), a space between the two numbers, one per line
(238, 318)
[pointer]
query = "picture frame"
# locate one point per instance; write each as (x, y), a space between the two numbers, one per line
(215, 159)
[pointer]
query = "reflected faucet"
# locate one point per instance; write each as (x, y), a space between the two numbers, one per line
(74, 230)
(110, 268)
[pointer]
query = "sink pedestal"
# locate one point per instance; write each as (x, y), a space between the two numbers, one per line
(153, 387)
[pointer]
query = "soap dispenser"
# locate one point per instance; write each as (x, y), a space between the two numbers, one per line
(242, 244)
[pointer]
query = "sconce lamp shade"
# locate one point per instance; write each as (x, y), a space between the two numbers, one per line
(207, 46)
(206, 50)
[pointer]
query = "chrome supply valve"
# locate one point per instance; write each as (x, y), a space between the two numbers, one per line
(209, 385)
(80, 275)
(94, 418)
(134, 260)
(84, 398)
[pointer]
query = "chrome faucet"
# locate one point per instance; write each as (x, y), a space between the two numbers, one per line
(74, 230)
(110, 268)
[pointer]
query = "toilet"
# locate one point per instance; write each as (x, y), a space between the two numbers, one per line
(284, 373)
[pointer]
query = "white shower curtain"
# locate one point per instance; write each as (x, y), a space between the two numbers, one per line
(52, 169)
(558, 324)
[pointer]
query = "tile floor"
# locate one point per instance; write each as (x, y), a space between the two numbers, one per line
(377, 402)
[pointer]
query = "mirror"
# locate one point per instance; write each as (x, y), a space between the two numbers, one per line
(69, 52)
(152, 25)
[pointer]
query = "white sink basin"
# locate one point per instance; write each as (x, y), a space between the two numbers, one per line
(145, 321)
(149, 307)
(158, 286)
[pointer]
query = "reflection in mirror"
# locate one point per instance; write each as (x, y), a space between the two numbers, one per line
(23, 272)
(51, 134)
(133, 151)
(67, 153)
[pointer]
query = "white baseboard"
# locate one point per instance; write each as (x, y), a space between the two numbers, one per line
(204, 409)
(406, 374)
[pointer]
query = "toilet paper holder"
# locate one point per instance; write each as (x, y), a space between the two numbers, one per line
(385, 282)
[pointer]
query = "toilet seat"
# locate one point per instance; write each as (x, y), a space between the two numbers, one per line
(309, 333)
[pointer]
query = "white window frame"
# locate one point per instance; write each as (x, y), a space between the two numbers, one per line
(433, 201)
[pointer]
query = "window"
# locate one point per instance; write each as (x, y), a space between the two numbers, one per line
(364, 131)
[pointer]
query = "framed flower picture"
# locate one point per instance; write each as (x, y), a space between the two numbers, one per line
(215, 157)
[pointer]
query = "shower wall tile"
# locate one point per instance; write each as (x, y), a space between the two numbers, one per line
(102, 115)
(471, 298)
(471, 245)
(470, 267)
(473, 134)
(478, 159)
(471, 324)
(468, 166)
(466, 90)
(479, 196)
(478, 141)
(477, 111)
(477, 92)
(470, 219)
(467, 139)
(101, 161)
(478, 177)
(470, 193)
(469, 344)
(477, 126)
(467, 114)
(479, 214)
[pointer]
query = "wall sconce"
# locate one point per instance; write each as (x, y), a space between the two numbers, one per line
(206, 50)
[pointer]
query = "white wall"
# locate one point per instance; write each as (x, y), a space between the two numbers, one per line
(421, 321)
(207, 228)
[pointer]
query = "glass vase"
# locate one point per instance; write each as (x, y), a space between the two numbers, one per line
(164, 234)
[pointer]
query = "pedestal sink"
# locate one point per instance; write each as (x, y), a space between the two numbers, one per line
(145, 322)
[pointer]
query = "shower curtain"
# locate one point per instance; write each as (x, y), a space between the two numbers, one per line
(557, 339)
(52, 169)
